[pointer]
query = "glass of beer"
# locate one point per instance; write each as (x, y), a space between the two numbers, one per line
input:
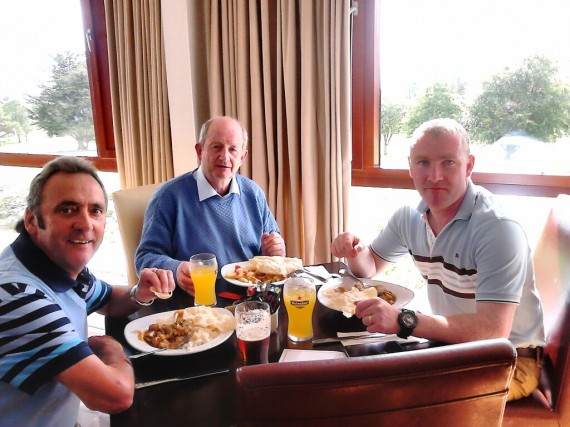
(299, 295)
(203, 271)
(253, 327)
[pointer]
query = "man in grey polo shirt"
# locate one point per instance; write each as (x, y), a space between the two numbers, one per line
(476, 260)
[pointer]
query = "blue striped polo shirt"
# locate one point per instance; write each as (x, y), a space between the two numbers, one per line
(43, 331)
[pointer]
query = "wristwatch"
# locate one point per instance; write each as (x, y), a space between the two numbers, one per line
(407, 320)
(133, 297)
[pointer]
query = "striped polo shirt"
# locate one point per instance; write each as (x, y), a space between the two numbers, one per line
(43, 331)
(481, 255)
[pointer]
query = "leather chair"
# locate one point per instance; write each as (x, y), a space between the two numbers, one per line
(130, 206)
(549, 405)
(461, 384)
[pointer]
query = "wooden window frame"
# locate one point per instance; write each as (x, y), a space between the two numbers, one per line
(98, 69)
(365, 124)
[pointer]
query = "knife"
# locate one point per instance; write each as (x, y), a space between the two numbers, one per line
(172, 380)
(347, 337)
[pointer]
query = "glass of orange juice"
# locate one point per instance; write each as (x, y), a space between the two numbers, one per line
(203, 271)
(299, 295)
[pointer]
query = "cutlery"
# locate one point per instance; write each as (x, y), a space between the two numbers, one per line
(172, 380)
(146, 353)
(301, 271)
(347, 273)
(346, 338)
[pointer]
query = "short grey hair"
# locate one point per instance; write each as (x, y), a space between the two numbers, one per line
(206, 127)
(69, 164)
(441, 126)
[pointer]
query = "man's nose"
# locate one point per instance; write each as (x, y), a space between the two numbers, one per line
(435, 173)
(83, 220)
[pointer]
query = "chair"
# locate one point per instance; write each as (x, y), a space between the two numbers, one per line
(130, 205)
(549, 405)
(461, 384)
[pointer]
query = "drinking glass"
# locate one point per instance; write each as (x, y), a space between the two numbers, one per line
(253, 327)
(299, 295)
(203, 271)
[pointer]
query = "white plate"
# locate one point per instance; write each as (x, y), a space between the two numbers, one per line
(134, 327)
(228, 268)
(403, 295)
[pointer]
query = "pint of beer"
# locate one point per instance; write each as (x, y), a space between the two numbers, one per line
(299, 295)
(253, 327)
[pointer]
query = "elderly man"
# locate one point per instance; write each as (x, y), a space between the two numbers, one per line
(475, 258)
(47, 361)
(211, 209)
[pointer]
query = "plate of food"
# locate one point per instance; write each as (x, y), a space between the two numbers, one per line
(185, 331)
(261, 269)
(342, 294)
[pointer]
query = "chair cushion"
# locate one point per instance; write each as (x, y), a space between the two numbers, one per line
(531, 411)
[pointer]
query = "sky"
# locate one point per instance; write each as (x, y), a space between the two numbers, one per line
(443, 40)
(31, 33)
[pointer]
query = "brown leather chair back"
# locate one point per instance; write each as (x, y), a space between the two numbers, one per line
(462, 384)
(550, 404)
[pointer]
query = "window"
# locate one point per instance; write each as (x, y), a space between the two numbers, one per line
(54, 89)
(410, 52)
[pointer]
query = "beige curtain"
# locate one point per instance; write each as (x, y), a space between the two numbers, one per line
(138, 91)
(283, 68)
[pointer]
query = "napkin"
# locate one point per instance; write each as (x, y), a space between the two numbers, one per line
(295, 355)
(319, 270)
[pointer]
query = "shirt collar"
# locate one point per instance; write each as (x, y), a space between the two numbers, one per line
(205, 190)
(39, 264)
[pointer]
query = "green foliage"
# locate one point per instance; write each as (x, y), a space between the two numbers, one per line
(14, 119)
(529, 99)
(439, 100)
(64, 105)
(391, 121)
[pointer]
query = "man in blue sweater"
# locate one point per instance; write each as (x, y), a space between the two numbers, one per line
(211, 209)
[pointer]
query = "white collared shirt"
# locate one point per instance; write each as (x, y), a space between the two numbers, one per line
(205, 190)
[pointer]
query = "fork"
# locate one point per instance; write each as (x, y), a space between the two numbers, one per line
(146, 353)
(348, 273)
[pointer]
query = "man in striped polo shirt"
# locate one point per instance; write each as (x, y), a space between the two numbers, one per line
(47, 361)
(475, 259)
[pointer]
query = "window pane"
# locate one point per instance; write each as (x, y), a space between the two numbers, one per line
(45, 104)
(502, 68)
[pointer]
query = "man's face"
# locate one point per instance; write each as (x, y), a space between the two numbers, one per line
(439, 166)
(74, 214)
(222, 154)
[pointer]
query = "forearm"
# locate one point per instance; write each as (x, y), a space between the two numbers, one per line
(366, 264)
(466, 327)
(104, 381)
(120, 304)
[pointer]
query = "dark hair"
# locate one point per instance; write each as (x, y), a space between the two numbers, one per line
(69, 164)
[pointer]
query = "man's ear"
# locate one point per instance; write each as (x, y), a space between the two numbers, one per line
(30, 221)
(198, 148)
(470, 164)
(243, 156)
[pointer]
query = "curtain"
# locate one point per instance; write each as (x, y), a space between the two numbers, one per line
(282, 67)
(138, 91)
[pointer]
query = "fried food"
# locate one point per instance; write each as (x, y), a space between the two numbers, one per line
(342, 299)
(161, 295)
(188, 328)
(265, 269)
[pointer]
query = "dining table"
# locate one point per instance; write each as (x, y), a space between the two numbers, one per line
(210, 400)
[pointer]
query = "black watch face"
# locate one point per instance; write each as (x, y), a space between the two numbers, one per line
(408, 320)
